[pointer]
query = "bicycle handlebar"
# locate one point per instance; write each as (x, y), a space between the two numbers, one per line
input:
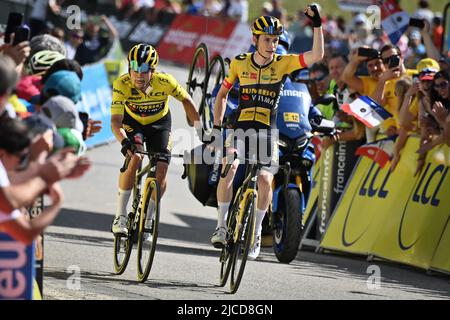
(151, 154)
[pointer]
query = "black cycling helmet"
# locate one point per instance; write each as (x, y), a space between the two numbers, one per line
(267, 25)
(143, 54)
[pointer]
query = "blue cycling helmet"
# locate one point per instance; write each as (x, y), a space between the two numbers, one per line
(285, 40)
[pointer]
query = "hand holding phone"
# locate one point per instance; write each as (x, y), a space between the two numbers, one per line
(368, 52)
(14, 22)
(394, 62)
(22, 34)
(418, 23)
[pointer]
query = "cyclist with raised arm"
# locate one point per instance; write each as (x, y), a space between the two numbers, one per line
(261, 75)
(140, 109)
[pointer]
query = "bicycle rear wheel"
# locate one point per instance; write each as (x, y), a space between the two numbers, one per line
(242, 245)
(215, 76)
(122, 247)
(197, 79)
(147, 238)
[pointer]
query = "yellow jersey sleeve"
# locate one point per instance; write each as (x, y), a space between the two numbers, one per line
(174, 88)
(292, 62)
(118, 97)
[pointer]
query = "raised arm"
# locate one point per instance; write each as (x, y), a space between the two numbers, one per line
(317, 52)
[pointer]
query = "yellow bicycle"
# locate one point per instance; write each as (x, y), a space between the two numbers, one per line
(241, 227)
(141, 208)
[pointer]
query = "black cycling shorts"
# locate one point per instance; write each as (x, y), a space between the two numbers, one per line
(157, 135)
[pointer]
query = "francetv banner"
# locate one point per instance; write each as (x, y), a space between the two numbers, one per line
(16, 269)
(222, 36)
(396, 215)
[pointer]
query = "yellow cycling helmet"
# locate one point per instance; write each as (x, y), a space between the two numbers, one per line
(143, 57)
(267, 25)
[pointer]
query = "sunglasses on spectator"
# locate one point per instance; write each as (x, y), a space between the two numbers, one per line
(386, 60)
(441, 85)
(143, 68)
(77, 36)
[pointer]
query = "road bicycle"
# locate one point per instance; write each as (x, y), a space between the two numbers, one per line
(141, 208)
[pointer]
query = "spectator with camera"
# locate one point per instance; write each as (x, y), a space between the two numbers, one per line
(95, 43)
(364, 85)
(384, 92)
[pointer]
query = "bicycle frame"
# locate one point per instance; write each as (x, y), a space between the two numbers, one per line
(249, 185)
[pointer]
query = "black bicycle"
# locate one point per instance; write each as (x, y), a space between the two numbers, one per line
(240, 226)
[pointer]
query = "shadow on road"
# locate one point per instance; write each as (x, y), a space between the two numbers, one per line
(199, 230)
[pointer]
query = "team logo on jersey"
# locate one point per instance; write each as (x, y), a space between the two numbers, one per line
(241, 57)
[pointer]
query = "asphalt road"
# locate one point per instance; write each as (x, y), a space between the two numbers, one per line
(79, 249)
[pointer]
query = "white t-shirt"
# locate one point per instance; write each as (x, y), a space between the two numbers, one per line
(239, 8)
(4, 182)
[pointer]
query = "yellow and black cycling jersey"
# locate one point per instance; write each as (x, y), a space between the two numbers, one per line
(145, 108)
(259, 87)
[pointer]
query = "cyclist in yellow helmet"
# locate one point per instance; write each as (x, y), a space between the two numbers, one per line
(140, 108)
(261, 75)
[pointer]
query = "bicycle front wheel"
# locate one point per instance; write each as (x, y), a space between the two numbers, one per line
(148, 235)
(242, 245)
(225, 256)
(122, 248)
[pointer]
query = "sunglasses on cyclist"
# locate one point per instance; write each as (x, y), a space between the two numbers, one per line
(273, 31)
(441, 85)
(143, 68)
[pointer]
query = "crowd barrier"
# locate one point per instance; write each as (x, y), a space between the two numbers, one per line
(396, 216)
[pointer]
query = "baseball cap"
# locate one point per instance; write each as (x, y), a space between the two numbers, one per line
(63, 112)
(38, 124)
(73, 139)
(427, 68)
(65, 83)
(428, 64)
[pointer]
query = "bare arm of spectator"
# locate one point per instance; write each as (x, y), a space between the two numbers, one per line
(447, 131)
(405, 117)
(54, 5)
(110, 26)
(62, 165)
(439, 113)
(356, 133)
(379, 93)
(432, 51)
(18, 53)
(25, 230)
(399, 145)
(348, 75)
(317, 52)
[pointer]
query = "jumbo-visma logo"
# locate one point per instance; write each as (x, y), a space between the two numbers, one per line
(371, 185)
(426, 197)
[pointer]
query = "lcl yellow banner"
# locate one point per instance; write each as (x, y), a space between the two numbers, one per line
(396, 216)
